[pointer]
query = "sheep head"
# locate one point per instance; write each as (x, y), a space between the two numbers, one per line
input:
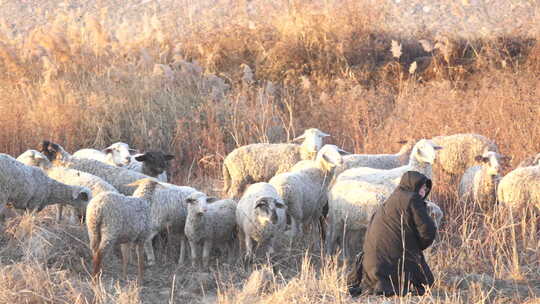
(155, 162)
(312, 139)
(425, 151)
(119, 154)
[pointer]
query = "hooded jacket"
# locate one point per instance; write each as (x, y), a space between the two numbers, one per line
(398, 233)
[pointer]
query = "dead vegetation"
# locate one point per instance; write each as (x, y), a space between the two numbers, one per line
(199, 79)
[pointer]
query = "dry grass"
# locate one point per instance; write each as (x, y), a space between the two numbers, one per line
(198, 79)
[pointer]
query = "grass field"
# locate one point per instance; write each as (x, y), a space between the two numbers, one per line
(199, 78)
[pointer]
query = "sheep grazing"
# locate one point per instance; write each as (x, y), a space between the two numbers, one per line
(520, 187)
(67, 176)
(459, 152)
(152, 163)
(260, 162)
(209, 222)
(27, 187)
(479, 183)
(117, 154)
(168, 208)
(533, 160)
(304, 188)
(421, 159)
(113, 218)
(261, 217)
(377, 161)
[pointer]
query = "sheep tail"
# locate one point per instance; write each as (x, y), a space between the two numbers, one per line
(94, 230)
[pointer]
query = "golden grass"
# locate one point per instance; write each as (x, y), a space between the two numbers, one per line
(198, 80)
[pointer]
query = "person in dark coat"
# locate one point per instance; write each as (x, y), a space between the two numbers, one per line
(393, 262)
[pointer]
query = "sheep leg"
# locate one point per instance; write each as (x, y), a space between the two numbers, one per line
(59, 209)
(194, 253)
(149, 249)
(125, 258)
(330, 238)
(140, 262)
(241, 239)
(98, 255)
(182, 257)
(249, 247)
(207, 247)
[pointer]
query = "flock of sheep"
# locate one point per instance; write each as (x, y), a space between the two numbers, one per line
(272, 190)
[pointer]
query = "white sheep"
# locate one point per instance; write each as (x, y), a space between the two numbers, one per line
(151, 163)
(113, 218)
(460, 150)
(520, 188)
(479, 183)
(377, 161)
(117, 154)
(27, 187)
(304, 188)
(67, 176)
(168, 208)
(261, 217)
(421, 159)
(210, 222)
(532, 160)
(351, 206)
(260, 162)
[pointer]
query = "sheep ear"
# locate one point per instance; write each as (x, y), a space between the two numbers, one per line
(141, 157)
(301, 137)
(132, 151)
(280, 205)
(402, 142)
(343, 152)
(211, 199)
(322, 134)
(436, 147)
(169, 157)
(44, 146)
(190, 200)
(480, 158)
(107, 150)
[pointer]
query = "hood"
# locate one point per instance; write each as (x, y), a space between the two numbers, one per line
(411, 181)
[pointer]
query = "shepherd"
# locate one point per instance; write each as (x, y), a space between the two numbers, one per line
(392, 261)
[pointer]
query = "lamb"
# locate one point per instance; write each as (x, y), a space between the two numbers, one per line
(460, 150)
(209, 222)
(377, 161)
(261, 217)
(351, 205)
(533, 160)
(260, 162)
(67, 176)
(113, 218)
(304, 188)
(520, 187)
(168, 209)
(27, 187)
(479, 183)
(421, 159)
(117, 154)
(151, 163)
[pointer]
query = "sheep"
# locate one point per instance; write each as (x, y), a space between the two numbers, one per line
(117, 154)
(533, 160)
(120, 178)
(27, 187)
(351, 206)
(520, 187)
(261, 217)
(151, 163)
(421, 159)
(459, 152)
(113, 218)
(304, 188)
(67, 176)
(479, 183)
(260, 162)
(209, 222)
(169, 210)
(377, 161)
